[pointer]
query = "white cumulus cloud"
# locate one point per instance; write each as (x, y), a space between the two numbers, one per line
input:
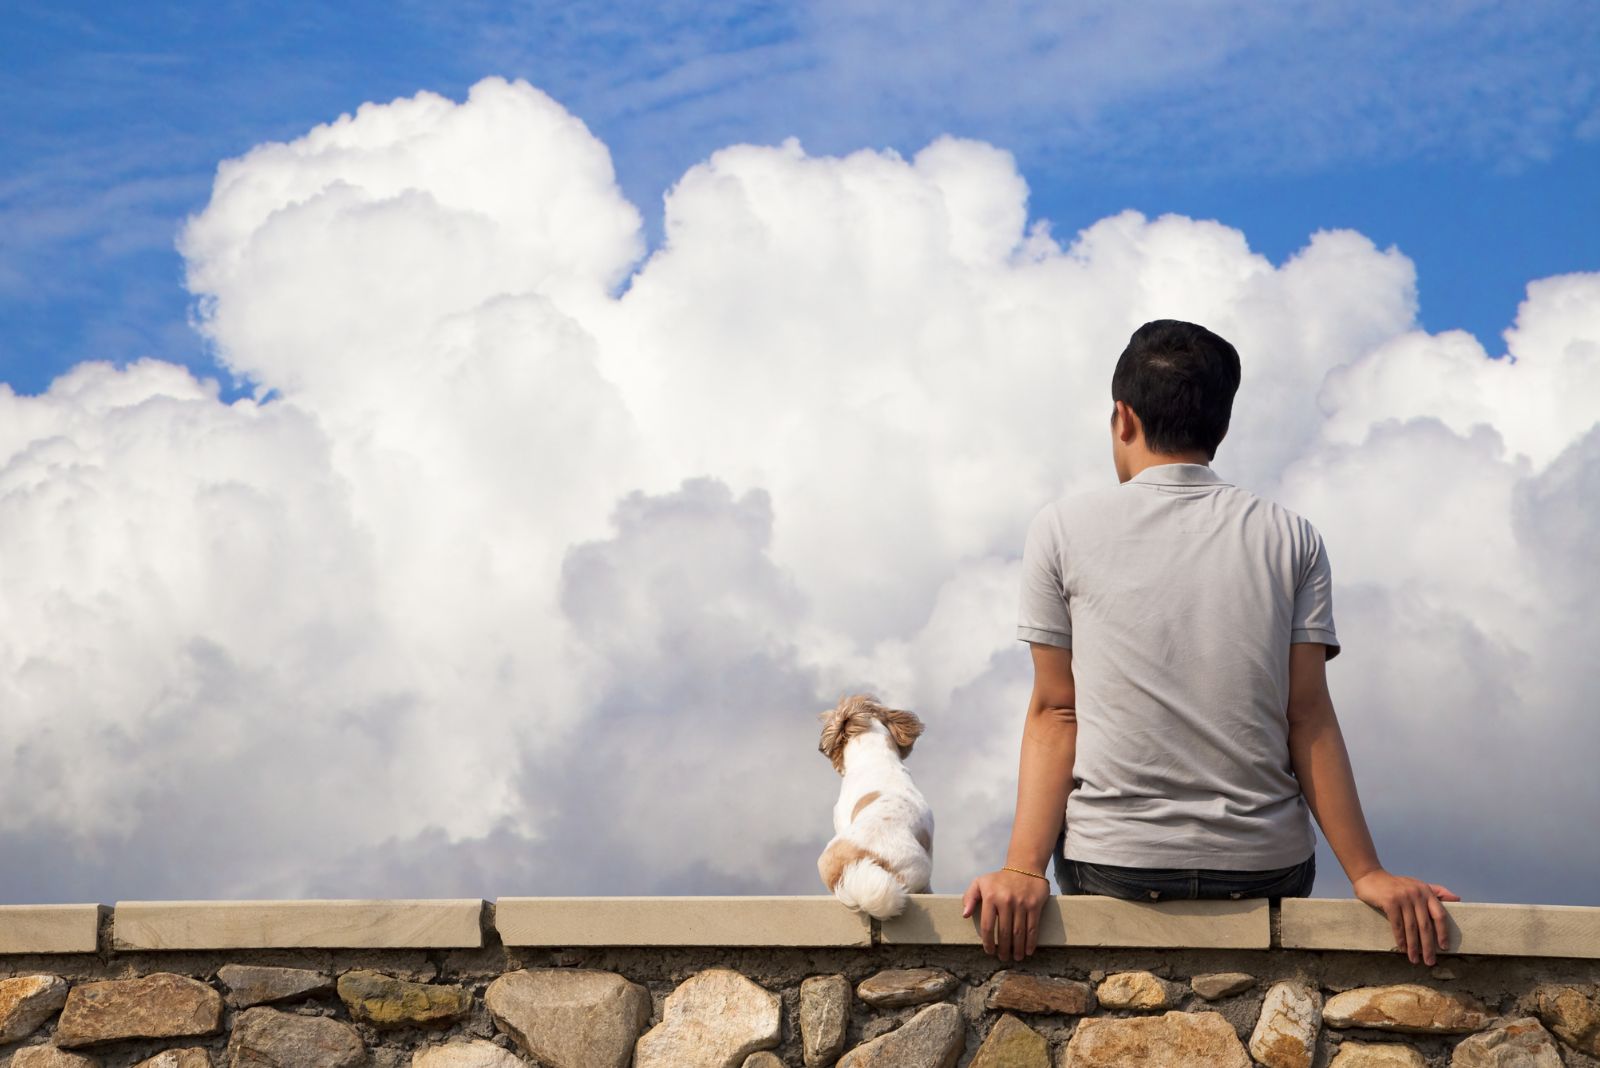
(534, 556)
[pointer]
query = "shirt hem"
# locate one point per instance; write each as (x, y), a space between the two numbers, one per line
(1316, 635)
(1226, 858)
(1044, 637)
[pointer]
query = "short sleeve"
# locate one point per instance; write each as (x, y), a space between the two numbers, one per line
(1042, 614)
(1313, 600)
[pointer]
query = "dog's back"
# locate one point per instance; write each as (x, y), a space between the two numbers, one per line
(888, 854)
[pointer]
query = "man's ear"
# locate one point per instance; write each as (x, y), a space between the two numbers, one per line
(1125, 423)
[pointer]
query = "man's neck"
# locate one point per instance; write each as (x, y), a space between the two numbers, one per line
(1144, 458)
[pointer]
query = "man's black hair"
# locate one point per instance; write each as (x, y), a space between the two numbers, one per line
(1180, 378)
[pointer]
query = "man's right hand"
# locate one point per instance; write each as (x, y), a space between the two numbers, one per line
(1010, 905)
(1412, 906)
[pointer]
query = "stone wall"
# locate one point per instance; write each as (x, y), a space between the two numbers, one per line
(760, 982)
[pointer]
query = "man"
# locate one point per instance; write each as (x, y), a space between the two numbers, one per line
(1180, 725)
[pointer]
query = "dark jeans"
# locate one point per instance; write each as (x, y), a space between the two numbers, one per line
(1170, 884)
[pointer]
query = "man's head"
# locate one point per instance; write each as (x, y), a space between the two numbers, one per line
(1172, 394)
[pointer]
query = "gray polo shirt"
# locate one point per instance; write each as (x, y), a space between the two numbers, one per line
(1179, 595)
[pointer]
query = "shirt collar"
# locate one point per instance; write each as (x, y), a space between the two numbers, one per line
(1178, 475)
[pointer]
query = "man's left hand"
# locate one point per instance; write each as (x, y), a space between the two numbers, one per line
(1412, 906)
(1010, 905)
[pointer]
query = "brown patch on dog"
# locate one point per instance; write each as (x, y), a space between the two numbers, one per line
(855, 714)
(866, 799)
(839, 855)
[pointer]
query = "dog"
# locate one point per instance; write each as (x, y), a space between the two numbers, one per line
(882, 848)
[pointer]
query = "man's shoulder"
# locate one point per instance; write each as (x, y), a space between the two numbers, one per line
(1081, 501)
(1082, 507)
(1274, 511)
(1099, 510)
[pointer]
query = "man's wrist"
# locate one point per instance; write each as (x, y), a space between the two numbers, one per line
(1361, 873)
(1031, 873)
(1029, 862)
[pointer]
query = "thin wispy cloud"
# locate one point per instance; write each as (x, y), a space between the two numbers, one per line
(1239, 86)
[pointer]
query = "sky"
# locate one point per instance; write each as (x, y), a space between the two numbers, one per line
(456, 450)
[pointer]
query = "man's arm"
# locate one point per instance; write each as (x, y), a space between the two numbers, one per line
(1322, 764)
(1011, 903)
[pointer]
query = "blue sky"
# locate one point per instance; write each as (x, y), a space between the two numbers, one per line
(1467, 134)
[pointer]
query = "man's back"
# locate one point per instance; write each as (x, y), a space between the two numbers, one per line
(1184, 721)
(1179, 595)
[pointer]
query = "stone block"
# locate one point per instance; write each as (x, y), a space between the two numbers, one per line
(1474, 927)
(330, 924)
(193, 1057)
(1376, 1055)
(1088, 920)
(384, 1001)
(50, 928)
(260, 984)
(898, 987)
(715, 1018)
(1172, 1039)
(477, 1053)
(1025, 992)
(570, 1017)
(1410, 1008)
(1215, 985)
(160, 1005)
(26, 1002)
(824, 1018)
(264, 1037)
(1133, 990)
(1012, 1044)
(1285, 1034)
(680, 921)
(1520, 1043)
(934, 1038)
(1573, 1014)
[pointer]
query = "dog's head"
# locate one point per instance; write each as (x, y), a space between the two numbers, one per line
(855, 714)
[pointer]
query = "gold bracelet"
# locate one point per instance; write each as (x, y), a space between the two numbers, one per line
(1023, 871)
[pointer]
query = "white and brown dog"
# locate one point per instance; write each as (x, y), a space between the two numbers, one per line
(882, 848)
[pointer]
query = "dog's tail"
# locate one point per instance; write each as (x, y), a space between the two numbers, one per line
(867, 885)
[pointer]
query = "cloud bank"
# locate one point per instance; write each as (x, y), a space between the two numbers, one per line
(533, 558)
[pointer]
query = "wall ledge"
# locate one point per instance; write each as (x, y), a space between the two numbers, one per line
(50, 928)
(1087, 920)
(355, 923)
(679, 921)
(1475, 928)
(1481, 929)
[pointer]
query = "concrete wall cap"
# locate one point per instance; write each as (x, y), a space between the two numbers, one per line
(354, 923)
(1487, 928)
(50, 928)
(1481, 928)
(1087, 920)
(812, 920)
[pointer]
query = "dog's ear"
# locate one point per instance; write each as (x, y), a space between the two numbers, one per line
(904, 727)
(835, 732)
